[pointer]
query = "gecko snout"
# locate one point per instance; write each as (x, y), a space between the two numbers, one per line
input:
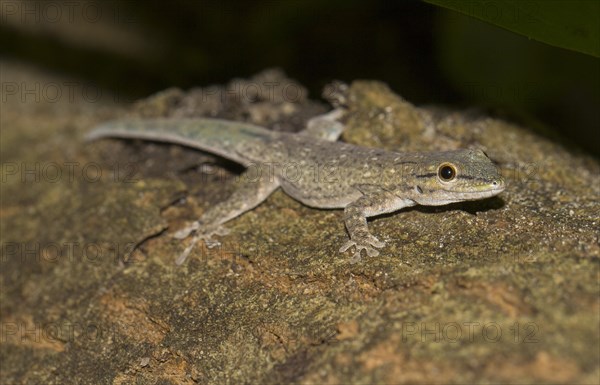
(498, 184)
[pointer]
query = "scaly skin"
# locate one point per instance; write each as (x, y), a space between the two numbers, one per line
(319, 172)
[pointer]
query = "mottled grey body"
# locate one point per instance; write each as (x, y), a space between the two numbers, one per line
(319, 172)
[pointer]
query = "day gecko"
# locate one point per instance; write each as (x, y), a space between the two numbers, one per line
(317, 170)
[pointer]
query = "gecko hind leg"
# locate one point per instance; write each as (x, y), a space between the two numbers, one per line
(249, 194)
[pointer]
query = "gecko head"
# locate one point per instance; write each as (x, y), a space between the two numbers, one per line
(456, 176)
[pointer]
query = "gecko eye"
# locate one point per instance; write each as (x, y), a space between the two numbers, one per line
(447, 172)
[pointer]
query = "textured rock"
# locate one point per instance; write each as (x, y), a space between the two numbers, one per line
(500, 290)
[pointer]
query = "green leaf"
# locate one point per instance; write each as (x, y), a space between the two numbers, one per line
(573, 24)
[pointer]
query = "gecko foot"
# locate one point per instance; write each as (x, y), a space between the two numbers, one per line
(368, 243)
(201, 233)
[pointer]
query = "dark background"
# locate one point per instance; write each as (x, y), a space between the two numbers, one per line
(426, 54)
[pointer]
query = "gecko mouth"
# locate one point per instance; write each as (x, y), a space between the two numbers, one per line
(490, 190)
(457, 196)
(481, 191)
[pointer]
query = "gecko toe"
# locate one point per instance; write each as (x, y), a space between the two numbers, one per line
(347, 245)
(372, 241)
(183, 256)
(368, 245)
(372, 252)
(211, 243)
(356, 258)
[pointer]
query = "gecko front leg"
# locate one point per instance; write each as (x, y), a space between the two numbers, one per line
(374, 201)
(249, 194)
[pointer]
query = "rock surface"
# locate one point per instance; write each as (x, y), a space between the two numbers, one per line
(500, 290)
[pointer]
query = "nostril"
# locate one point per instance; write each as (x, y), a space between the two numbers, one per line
(494, 183)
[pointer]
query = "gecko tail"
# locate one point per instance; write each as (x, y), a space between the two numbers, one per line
(217, 136)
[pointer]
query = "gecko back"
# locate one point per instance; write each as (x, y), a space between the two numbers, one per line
(222, 137)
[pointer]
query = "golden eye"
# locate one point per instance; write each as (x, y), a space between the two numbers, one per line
(447, 172)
